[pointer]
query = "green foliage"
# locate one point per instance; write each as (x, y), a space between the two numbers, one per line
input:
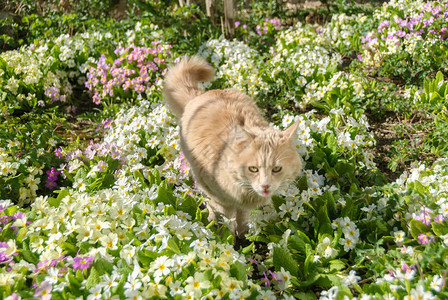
(27, 151)
(126, 218)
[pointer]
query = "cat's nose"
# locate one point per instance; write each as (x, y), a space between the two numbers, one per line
(265, 187)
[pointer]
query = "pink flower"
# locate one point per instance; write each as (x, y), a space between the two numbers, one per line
(44, 291)
(82, 263)
(102, 165)
(423, 239)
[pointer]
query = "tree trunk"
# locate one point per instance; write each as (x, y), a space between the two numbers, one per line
(229, 18)
(210, 10)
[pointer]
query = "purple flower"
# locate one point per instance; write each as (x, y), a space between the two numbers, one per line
(18, 215)
(424, 216)
(423, 239)
(82, 263)
(265, 279)
(254, 261)
(4, 257)
(274, 276)
(53, 174)
(382, 25)
(237, 23)
(102, 165)
(50, 184)
(407, 269)
(108, 122)
(58, 153)
(439, 218)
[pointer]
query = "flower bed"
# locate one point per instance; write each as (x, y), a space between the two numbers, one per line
(121, 216)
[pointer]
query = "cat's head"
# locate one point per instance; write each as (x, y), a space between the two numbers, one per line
(265, 160)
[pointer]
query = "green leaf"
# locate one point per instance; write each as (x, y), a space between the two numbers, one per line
(417, 228)
(307, 266)
(172, 245)
(382, 226)
(165, 194)
(328, 280)
(418, 187)
(277, 201)
(337, 265)
(189, 206)
(102, 266)
(238, 270)
(298, 244)
(29, 256)
(439, 77)
(305, 296)
(93, 279)
(75, 285)
(108, 181)
(79, 275)
(21, 234)
(71, 247)
(324, 221)
(284, 259)
(55, 202)
(440, 229)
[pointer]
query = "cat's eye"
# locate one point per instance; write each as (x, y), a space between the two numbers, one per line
(253, 169)
(276, 169)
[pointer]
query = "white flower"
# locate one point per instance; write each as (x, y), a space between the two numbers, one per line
(285, 277)
(176, 288)
(325, 248)
(330, 294)
(196, 283)
(266, 295)
(351, 279)
(399, 236)
(161, 266)
(437, 283)
(80, 185)
(420, 293)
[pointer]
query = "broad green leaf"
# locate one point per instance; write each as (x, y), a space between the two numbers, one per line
(102, 266)
(297, 244)
(305, 295)
(93, 279)
(337, 265)
(29, 256)
(417, 228)
(324, 221)
(440, 229)
(307, 266)
(172, 245)
(238, 270)
(439, 77)
(55, 202)
(284, 259)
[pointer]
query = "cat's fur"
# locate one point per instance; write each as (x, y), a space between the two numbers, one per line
(234, 154)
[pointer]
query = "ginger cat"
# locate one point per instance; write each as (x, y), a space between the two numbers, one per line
(236, 158)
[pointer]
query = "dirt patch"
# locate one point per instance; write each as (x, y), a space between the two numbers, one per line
(79, 132)
(385, 135)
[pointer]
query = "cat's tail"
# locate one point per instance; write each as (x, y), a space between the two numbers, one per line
(181, 82)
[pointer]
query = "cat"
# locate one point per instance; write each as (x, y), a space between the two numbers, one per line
(236, 158)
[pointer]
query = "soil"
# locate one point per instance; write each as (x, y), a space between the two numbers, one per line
(385, 136)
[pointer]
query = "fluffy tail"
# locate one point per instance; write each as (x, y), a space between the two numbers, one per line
(181, 82)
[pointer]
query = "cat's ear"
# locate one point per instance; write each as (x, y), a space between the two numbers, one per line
(290, 133)
(240, 137)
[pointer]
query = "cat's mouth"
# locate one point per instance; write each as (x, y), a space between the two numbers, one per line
(264, 192)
